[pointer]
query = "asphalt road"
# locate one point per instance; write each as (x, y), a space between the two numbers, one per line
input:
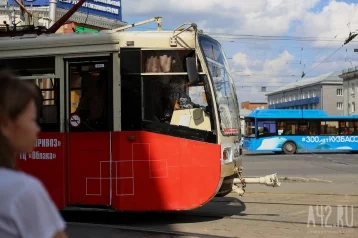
(340, 169)
(262, 212)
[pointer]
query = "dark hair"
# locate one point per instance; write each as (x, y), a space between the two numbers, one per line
(15, 95)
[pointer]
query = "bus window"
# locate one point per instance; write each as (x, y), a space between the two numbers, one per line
(288, 127)
(267, 128)
(329, 127)
(249, 128)
(302, 128)
(347, 127)
(313, 127)
(281, 127)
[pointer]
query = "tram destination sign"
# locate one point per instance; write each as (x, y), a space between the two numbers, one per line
(111, 9)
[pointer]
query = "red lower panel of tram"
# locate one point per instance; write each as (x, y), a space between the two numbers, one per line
(129, 171)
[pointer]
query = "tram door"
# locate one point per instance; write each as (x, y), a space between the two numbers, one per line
(89, 125)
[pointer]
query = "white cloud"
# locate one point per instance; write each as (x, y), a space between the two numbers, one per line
(256, 16)
(279, 64)
(329, 22)
(256, 74)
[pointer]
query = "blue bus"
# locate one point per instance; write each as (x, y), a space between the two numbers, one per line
(291, 131)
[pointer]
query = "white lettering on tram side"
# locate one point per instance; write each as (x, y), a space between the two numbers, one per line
(42, 156)
(36, 155)
(48, 143)
(330, 139)
(23, 156)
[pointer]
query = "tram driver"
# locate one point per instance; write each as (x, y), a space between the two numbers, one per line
(176, 94)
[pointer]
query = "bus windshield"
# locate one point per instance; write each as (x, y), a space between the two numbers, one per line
(223, 85)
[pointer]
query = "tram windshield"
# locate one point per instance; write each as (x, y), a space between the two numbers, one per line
(223, 85)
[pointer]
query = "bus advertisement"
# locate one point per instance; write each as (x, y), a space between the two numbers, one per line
(291, 131)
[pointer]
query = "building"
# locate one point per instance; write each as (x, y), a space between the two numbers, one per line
(253, 105)
(350, 85)
(94, 15)
(323, 92)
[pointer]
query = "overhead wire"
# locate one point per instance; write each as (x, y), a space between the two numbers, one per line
(346, 41)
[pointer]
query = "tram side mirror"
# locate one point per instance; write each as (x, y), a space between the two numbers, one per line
(193, 74)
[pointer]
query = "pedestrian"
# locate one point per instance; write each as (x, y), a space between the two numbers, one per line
(26, 210)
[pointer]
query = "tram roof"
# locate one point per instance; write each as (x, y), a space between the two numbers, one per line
(112, 40)
(296, 114)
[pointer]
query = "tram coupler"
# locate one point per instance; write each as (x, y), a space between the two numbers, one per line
(239, 183)
(268, 180)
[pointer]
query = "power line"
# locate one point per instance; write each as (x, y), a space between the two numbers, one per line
(349, 23)
(347, 40)
(263, 39)
(269, 36)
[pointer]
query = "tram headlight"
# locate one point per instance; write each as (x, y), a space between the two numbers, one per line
(226, 154)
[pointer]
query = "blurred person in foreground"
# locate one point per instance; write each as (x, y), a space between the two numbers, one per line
(26, 210)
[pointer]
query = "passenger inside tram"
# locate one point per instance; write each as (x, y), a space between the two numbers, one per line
(91, 105)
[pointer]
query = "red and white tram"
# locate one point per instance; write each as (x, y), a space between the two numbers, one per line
(115, 133)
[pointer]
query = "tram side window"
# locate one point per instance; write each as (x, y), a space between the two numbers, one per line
(48, 88)
(329, 128)
(162, 95)
(89, 96)
(131, 89)
(167, 94)
(48, 105)
(165, 61)
(155, 89)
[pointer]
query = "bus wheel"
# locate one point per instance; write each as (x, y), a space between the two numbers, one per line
(289, 148)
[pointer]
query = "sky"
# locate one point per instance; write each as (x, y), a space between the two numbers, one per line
(269, 43)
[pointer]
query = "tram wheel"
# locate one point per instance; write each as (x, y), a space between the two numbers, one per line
(289, 148)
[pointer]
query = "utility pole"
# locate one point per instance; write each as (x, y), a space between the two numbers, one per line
(52, 12)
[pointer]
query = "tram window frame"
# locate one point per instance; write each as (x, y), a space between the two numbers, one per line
(56, 103)
(159, 82)
(133, 77)
(152, 60)
(41, 118)
(33, 68)
(28, 66)
(91, 62)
